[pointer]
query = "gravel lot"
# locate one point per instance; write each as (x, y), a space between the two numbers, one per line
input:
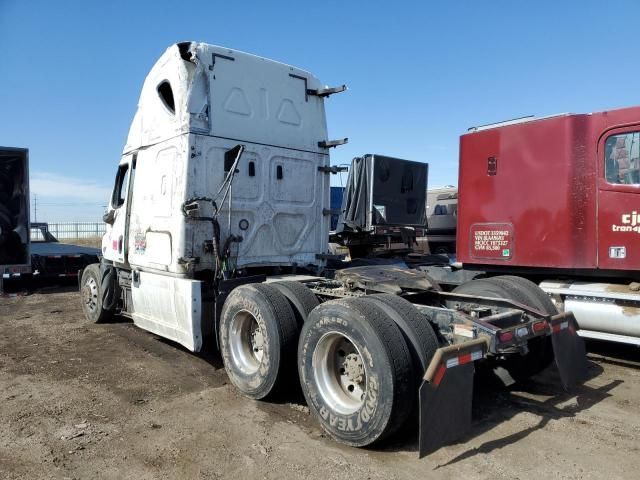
(112, 401)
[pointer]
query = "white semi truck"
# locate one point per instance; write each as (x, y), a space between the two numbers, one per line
(218, 229)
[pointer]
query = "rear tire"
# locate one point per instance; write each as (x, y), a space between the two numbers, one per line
(258, 334)
(416, 329)
(92, 295)
(355, 371)
(536, 294)
(540, 354)
(302, 299)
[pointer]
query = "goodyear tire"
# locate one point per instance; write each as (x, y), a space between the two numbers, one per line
(355, 371)
(92, 295)
(537, 296)
(258, 334)
(416, 329)
(301, 299)
(540, 354)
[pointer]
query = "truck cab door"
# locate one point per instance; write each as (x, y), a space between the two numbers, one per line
(115, 241)
(619, 199)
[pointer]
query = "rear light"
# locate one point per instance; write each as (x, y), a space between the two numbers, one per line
(539, 327)
(505, 336)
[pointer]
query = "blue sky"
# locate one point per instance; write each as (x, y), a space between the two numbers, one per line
(419, 73)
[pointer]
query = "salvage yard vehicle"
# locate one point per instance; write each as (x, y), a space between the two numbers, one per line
(572, 227)
(218, 230)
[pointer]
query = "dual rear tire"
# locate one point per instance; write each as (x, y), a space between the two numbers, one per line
(359, 360)
(258, 335)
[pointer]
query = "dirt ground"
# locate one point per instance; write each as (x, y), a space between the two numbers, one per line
(95, 242)
(111, 401)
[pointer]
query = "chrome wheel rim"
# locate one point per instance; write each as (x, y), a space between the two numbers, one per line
(340, 373)
(90, 294)
(246, 342)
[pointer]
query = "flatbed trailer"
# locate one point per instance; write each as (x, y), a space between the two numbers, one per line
(53, 259)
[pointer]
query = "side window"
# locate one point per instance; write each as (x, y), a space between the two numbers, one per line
(440, 210)
(622, 158)
(121, 186)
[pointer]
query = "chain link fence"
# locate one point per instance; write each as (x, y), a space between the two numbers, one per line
(72, 230)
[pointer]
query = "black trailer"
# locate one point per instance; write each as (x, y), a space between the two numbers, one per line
(52, 259)
(15, 257)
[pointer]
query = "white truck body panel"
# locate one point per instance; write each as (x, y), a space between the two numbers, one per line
(198, 102)
(170, 307)
(229, 94)
(223, 98)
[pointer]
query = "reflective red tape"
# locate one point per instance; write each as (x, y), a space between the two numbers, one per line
(437, 378)
(454, 362)
(465, 358)
(559, 326)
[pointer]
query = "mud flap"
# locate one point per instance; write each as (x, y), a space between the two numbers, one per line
(568, 349)
(446, 395)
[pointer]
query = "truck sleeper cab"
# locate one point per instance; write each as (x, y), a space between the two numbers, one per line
(197, 104)
(218, 227)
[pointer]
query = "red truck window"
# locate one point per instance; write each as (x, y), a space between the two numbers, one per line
(622, 158)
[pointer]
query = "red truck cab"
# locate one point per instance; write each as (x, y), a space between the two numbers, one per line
(557, 200)
(553, 193)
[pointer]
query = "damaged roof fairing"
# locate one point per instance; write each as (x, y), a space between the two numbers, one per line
(187, 67)
(153, 121)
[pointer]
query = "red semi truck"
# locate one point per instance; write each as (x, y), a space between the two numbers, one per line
(557, 200)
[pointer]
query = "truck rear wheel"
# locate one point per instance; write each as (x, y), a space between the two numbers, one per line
(355, 371)
(540, 354)
(416, 329)
(258, 334)
(536, 294)
(302, 299)
(92, 295)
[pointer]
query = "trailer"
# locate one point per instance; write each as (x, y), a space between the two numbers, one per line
(217, 234)
(15, 257)
(52, 259)
(21, 259)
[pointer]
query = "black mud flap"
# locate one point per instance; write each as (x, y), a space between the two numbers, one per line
(569, 350)
(446, 395)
